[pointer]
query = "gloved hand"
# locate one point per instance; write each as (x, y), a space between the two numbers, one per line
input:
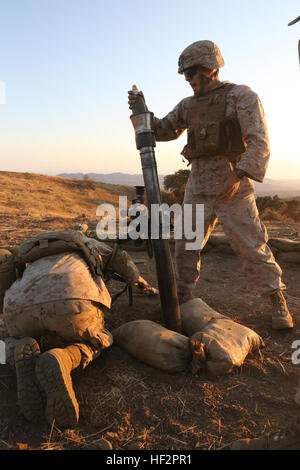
(144, 287)
(132, 98)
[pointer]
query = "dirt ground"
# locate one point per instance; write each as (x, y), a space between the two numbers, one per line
(135, 406)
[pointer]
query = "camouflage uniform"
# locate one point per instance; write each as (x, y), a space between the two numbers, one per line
(239, 216)
(58, 295)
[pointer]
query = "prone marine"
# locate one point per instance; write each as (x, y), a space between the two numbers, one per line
(53, 286)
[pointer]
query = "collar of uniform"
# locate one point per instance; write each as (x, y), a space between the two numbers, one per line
(209, 93)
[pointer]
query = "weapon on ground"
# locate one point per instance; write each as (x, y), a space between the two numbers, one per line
(145, 142)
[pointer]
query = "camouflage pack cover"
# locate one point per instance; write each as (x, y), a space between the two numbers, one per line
(205, 53)
(51, 243)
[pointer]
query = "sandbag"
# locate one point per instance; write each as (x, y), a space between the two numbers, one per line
(8, 273)
(154, 345)
(226, 344)
(196, 314)
(284, 244)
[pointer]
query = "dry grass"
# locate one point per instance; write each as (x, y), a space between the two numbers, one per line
(125, 402)
(39, 196)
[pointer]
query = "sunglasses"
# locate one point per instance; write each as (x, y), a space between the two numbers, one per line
(191, 71)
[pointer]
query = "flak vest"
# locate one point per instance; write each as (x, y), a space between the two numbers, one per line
(209, 131)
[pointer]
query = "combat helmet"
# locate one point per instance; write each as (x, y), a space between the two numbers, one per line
(205, 53)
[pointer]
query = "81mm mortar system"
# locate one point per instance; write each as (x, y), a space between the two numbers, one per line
(145, 142)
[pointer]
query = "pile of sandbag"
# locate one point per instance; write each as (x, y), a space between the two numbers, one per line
(209, 341)
(284, 249)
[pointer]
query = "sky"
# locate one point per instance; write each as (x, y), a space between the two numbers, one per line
(66, 66)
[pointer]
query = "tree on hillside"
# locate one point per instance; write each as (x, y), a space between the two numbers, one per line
(176, 183)
(264, 202)
(292, 209)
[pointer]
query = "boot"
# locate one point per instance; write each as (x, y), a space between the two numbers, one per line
(30, 400)
(287, 439)
(53, 370)
(281, 317)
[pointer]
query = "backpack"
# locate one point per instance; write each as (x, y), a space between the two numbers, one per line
(13, 263)
(52, 243)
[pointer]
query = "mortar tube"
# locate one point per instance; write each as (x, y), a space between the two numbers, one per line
(164, 266)
(145, 143)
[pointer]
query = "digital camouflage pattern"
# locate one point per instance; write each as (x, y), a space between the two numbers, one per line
(246, 234)
(57, 295)
(239, 216)
(204, 53)
(208, 175)
(54, 278)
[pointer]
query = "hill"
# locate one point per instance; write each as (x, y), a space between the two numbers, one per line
(32, 202)
(283, 188)
(113, 178)
(37, 195)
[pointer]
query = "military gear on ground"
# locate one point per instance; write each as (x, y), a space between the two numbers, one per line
(30, 400)
(285, 439)
(154, 345)
(281, 317)
(209, 131)
(204, 53)
(53, 371)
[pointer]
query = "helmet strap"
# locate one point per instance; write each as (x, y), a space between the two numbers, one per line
(206, 80)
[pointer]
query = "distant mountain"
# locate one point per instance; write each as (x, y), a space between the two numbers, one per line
(112, 178)
(284, 188)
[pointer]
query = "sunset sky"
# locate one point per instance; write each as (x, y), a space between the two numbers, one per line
(67, 66)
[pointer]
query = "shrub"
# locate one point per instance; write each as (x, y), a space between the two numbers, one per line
(176, 184)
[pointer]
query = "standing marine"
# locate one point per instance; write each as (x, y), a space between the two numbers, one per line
(227, 147)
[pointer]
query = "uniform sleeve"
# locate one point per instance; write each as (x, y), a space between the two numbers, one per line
(251, 117)
(172, 125)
